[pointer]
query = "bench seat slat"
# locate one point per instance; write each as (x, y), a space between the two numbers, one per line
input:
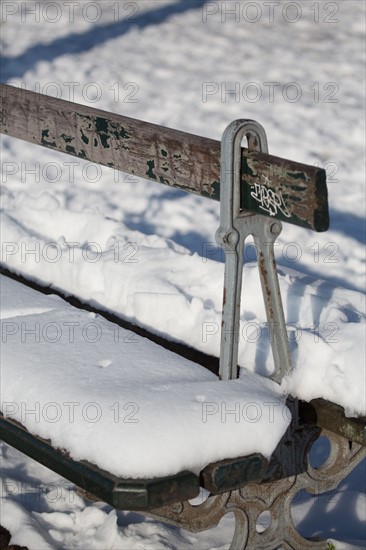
(124, 494)
(134, 494)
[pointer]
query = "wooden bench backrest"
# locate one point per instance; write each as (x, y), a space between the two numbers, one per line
(272, 186)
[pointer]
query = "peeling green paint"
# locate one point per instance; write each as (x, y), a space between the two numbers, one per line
(70, 149)
(298, 188)
(45, 133)
(302, 188)
(292, 198)
(215, 191)
(67, 139)
(297, 175)
(120, 132)
(84, 138)
(101, 126)
(151, 165)
(106, 130)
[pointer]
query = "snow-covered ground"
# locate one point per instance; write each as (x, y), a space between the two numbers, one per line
(143, 249)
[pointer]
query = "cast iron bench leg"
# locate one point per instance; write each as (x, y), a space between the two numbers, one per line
(274, 497)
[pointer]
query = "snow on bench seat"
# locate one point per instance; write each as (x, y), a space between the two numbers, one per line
(120, 401)
(164, 287)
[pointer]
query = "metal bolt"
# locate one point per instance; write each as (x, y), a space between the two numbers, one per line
(232, 238)
(275, 229)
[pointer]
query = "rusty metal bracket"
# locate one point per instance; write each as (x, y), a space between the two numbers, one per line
(235, 226)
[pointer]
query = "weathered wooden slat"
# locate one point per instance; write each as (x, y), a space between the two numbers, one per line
(272, 186)
(332, 417)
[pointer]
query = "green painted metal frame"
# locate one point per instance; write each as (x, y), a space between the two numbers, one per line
(127, 494)
(134, 494)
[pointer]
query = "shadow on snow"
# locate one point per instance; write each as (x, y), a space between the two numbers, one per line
(75, 43)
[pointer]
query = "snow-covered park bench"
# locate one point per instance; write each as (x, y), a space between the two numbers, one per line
(182, 439)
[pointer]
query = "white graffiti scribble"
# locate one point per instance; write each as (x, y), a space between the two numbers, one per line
(270, 201)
